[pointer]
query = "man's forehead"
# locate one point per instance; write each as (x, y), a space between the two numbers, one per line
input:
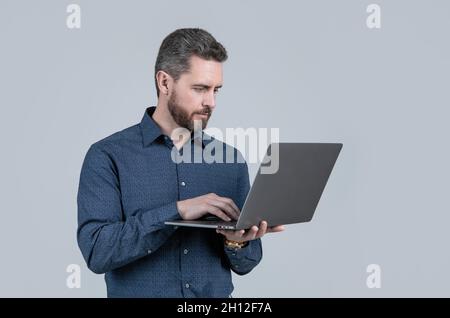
(207, 72)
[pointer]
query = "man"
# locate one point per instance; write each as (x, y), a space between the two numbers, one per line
(130, 185)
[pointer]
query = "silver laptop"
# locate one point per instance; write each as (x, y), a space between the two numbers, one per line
(290, 195)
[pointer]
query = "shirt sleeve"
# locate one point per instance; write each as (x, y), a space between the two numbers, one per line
(243, 260)
(107, 240)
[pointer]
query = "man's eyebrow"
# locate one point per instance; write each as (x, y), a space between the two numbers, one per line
(206, 86)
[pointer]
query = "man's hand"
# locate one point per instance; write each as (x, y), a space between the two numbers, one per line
(211, 203)
(253, 233)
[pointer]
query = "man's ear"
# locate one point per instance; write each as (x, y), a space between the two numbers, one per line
(164, 81)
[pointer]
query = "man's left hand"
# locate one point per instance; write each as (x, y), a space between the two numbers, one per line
(251, 234)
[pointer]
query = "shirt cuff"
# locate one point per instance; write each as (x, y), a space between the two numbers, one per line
(155, 218)
(242, 260)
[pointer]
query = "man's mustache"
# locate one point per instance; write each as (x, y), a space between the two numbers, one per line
(206, 111)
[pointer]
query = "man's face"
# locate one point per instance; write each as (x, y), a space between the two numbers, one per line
(194, 94)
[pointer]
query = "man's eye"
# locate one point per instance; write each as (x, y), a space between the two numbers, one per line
(199, 89)
(216, 91)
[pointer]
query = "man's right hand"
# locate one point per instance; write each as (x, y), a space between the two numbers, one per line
(210, 203)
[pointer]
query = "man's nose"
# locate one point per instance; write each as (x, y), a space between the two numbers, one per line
(209, 100)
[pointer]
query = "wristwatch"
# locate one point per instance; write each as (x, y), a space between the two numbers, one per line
(234, 244)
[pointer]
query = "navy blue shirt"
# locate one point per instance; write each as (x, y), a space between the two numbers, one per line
(129, 186)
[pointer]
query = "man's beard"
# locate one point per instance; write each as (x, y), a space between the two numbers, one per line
(182, 117)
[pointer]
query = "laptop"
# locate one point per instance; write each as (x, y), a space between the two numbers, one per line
(290, 195)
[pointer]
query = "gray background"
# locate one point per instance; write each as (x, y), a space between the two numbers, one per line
(311, 68)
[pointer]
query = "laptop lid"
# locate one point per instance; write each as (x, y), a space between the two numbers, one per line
(292, 193)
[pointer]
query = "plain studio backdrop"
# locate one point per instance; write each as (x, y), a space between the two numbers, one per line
(313, 69)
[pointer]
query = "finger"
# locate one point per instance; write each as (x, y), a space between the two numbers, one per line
(224, 207)
(274, 229)
(232, 205)
(225, 232)
(218, 212)
(250, 235)
(231, 234)
(262, 229)
(230, 202)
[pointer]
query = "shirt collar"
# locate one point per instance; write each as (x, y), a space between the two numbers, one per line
(151, 131)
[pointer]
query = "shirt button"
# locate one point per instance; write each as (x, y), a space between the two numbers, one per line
(185, 251)
(149, 251)
(183, 184)
(187, 285)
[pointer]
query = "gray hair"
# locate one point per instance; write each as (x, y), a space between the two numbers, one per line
(178, 47)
